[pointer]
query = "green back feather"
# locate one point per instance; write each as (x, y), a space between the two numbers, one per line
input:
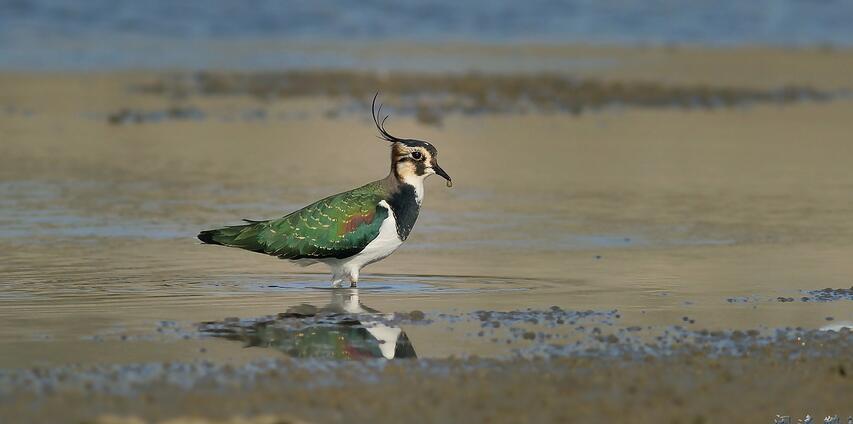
(338, 226)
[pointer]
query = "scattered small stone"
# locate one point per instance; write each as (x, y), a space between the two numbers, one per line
(484, 315)
(829, 295)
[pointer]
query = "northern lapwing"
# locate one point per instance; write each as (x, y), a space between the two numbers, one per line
(350, 230)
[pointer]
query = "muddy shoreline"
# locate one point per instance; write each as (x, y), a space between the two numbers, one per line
(430, 97)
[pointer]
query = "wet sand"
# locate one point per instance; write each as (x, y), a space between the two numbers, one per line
(717, 219)
(749, 389)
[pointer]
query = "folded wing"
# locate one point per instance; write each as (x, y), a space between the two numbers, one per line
(336, 227)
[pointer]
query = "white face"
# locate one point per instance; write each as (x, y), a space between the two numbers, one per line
(411, 161)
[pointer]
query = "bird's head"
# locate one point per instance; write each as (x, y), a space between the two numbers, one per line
(410, 159)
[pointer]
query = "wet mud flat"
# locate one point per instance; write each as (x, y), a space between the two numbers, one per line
(338, 360)
(800, 373)
(344, 361)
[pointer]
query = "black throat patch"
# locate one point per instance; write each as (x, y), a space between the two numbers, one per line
(405, 207)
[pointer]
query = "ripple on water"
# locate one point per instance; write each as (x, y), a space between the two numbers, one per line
(380, 284)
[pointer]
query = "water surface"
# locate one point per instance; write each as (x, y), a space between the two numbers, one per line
(69, 35)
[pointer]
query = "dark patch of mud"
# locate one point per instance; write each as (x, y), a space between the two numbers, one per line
(176, 113)
(823, 295)
(126, 116)
(785, 343)
(560, 333)
(430, 97)
(553, 317)
(828, 295)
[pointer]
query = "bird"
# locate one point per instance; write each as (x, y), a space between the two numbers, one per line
(350, 230)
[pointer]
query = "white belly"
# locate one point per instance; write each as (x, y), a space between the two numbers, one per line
(383, 245)
(379, 248)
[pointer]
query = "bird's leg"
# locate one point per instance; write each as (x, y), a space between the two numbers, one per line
(353, 278)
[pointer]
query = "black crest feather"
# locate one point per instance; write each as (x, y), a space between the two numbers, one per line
(383, 133)
(380, 124)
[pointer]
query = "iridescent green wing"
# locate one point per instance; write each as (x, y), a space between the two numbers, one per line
(338, 226)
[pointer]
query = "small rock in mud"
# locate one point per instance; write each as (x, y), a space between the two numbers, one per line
(416, 315)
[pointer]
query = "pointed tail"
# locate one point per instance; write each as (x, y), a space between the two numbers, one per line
(243, 236)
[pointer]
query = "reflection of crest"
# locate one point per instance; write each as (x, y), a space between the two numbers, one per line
(343, 329)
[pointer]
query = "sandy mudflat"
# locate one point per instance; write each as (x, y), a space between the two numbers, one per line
(567, 390)
(680, 227)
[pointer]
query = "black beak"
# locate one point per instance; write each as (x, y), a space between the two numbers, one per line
(443, 174)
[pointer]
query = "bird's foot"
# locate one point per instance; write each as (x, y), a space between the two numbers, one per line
(353, 285)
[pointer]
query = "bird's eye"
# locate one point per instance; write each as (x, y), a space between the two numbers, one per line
(417, 155)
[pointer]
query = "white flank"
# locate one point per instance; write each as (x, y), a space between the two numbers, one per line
(379, 248)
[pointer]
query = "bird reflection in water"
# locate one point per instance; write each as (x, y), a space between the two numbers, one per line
(343, 329)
